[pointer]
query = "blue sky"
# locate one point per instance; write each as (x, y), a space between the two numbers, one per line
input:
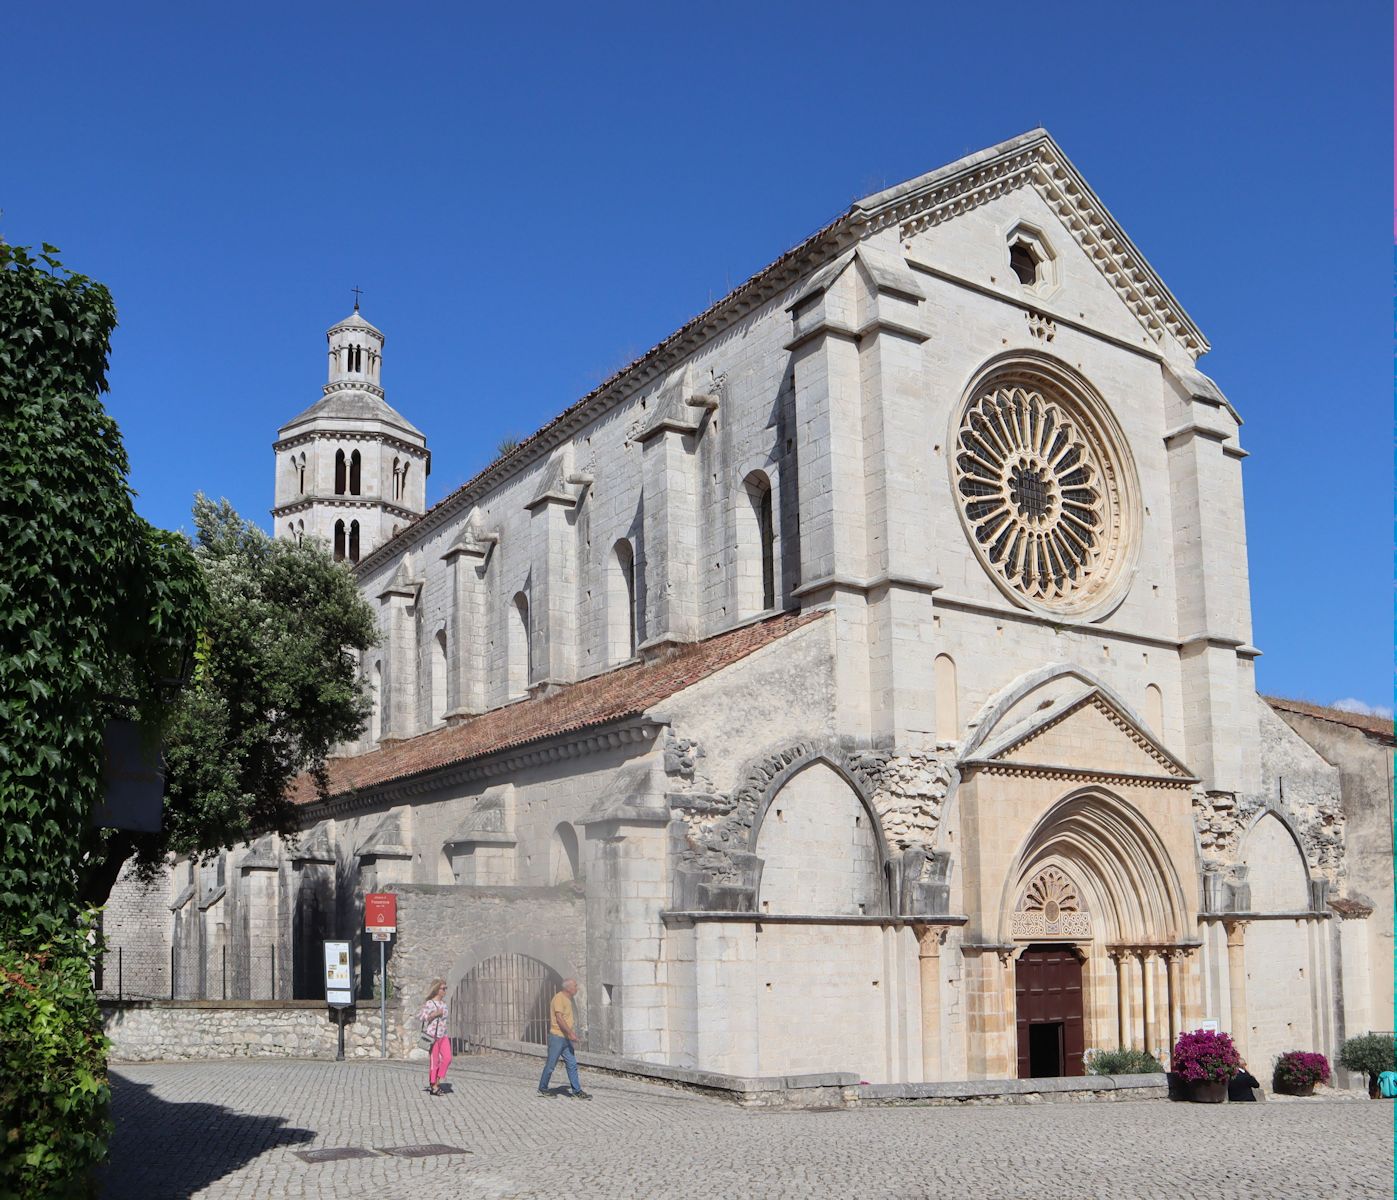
(532, 196)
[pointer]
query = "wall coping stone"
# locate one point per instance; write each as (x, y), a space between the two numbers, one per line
(680, 917)
(842, 1089)
(713, 1081)
(297, 1005)
(1147, 1086)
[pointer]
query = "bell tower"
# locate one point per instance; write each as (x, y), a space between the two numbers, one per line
(350, 469)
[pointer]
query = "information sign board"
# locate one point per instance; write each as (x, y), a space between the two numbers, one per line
(339, 975)
(381, 912)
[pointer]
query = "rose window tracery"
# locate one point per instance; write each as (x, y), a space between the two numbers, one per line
(1038, 493)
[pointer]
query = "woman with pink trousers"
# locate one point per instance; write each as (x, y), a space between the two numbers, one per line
(433, 1019)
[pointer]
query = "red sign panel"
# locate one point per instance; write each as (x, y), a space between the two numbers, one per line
(381, 912)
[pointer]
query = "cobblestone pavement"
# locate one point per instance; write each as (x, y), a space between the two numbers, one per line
(230, 1130)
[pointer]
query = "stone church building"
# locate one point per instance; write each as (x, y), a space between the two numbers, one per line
(860, 680)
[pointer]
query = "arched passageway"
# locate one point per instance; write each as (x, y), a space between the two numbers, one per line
(503, 998)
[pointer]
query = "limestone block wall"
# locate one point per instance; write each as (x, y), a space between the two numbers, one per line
(749, 431)
(762, 999)
(445, 931)
(862, 1017)
(1282, 978)
(136, 921)
(151, 1031)
(1364, 765)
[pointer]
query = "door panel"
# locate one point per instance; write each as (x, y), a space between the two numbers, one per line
(1048, 991)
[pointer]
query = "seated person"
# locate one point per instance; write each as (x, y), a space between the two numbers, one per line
(1243, 1085)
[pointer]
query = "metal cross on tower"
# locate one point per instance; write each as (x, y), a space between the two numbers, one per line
(357, 292)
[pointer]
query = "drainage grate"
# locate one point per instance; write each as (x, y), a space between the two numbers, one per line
(425, 1151)
(333, 1154)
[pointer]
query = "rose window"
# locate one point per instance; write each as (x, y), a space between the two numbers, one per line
(1038, 495)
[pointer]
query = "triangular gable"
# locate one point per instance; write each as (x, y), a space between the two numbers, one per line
(1035, 160)
(1088, 734)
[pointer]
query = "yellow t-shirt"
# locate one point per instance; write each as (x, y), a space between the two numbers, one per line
(559, 1011)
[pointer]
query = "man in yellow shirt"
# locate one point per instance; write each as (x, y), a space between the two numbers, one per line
(562, 1041)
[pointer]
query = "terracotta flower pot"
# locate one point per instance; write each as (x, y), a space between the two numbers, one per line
(1207, 1091)
(1296, 1089)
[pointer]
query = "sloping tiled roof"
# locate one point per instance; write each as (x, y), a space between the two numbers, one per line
(626, 692)
(1380, 726)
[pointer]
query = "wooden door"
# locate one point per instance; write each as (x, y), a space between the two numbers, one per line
(1048, 993)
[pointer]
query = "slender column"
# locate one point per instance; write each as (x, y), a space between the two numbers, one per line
(1136, 1028)
(1237, 983)
(1009, 1037)
(1171, 960)
(1151, 1013)
(929, 939)
(1122, 1012)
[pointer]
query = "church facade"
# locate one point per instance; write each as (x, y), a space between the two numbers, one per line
(861, 680)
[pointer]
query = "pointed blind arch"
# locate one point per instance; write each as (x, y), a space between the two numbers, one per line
(439, 662)
(518, 649)
(756, 546)
(620, 603)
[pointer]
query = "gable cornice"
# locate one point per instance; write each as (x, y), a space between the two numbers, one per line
(1032, 158)
(1037, 161)
(994, 753)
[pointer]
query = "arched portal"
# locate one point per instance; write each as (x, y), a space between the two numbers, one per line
(1095, 908)
(503, 998)
(1114, 856)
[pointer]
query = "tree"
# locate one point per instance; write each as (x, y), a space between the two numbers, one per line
(96, 607)
(275, 687)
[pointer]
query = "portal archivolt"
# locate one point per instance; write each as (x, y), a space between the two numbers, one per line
(1094, 854)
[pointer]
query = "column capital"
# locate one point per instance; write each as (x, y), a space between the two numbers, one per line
(930, 939)
(1236, 931)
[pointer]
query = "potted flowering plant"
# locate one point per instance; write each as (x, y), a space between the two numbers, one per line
(1205, 1061)
(1372, 1054)
(1297, 1072)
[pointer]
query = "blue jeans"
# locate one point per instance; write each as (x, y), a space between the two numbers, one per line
(560, 1047)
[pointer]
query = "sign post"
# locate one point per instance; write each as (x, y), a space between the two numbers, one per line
(381, 920)
(339, 984)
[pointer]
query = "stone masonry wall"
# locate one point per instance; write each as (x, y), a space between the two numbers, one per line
(444, 931)
(150, 1031)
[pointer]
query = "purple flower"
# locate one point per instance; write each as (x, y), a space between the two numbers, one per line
(1203, 1056)
(1301, 1069)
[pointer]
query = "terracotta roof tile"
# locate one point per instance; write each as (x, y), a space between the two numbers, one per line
(1381, 726)
(625, 692)
(1351, 906)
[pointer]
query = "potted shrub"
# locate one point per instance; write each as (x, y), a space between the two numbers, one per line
(1372, 1054)
(1205, 1061)
(1297, 1072)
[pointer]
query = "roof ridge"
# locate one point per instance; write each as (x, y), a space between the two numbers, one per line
(1033, 157)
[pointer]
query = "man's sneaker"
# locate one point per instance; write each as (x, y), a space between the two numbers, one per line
(547, 1093)
(582, 1095)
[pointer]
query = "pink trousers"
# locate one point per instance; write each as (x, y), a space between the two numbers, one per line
(440, 1060)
